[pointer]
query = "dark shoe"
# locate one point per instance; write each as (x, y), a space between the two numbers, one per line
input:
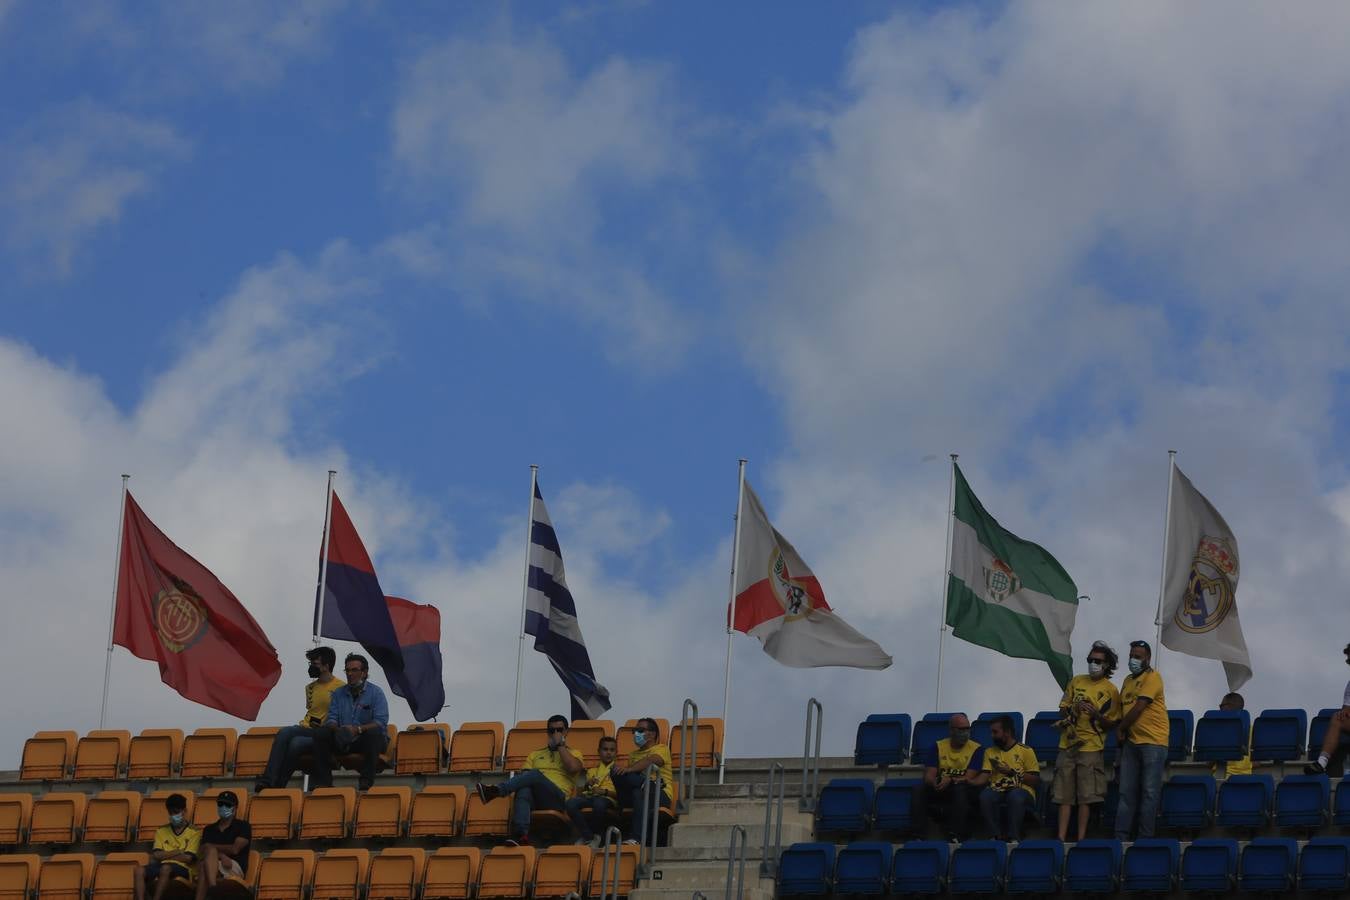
(487, 792)
(259, 787)
(1314, 768)
(365, 785)
(522, 841)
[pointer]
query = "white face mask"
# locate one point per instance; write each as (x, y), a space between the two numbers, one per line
(1136, 666)
(1094, 669)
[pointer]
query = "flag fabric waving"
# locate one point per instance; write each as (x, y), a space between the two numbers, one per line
(1199, 602)
(173, 610)
(418, 628)
(551, 616)
(780, 601)
(1005, 593)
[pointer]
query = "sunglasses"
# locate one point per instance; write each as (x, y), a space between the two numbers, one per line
(1096, 659)
(556, 730)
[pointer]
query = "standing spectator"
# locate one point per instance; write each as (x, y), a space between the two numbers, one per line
(174, 857)
(1241, 766)
(950, 764)
(357, 722)
(546, 781)
(1088, 709)
(597, 795)
(630, 778)
(1009, 776)
(295, 740)
(224, 845)
(1340, 725)
(1143, 744)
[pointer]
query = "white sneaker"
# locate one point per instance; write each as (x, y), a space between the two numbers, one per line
(594, 843)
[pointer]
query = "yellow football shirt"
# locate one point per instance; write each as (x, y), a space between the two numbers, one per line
(549, 762)
(604, 786)
(1086, 735)
(1151, 726)
(1236, 767)
(189, 840)
(317, 697)
(951, 762)
(663, 767)
(1020, 758)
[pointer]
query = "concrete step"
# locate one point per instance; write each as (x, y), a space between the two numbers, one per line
(710, 878)
(712, 893)
(714, 836)
(739, 811)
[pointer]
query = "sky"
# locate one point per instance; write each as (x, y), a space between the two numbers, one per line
(429, 245)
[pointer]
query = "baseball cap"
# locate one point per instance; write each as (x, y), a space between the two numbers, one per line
(227, 798)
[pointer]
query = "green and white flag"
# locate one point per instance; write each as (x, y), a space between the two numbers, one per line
(1005, 593)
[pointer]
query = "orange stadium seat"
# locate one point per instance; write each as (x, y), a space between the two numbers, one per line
(251, 750)
(625, 735)
(19, 875)
(506, 872)
(207, 752)
(66, 876)
(422, 749)
(48, 756)
(57, 816)
(627, 865)
(709, 749)
(16, 814)
(341, 874)
(476, 747)
(153, 814)
(326, 813)
(396, 873)
(112, 816)
(585, 735)
(273, 813)
(382, 812)
(521, 741)
(245, 886)
(155, 753)
(437, 811)
(102, 753)
(490, 820)
(115, 874)
(561, 870)
(203, 812)
(451, 873)
(285, 875)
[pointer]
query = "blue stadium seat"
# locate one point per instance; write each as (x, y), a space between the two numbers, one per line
(1317, 731)
(806, 870)
(863, 867)
(1340, 807)
(978, 867)
(1151, 866)
(1301, 801)
(1221, 735)
(928, 731)
(1268, 865)
(979, 729)
(1245, 800)
(894, 806)
(920, 867)
(1277, 735)
(883, 740)
(846, 805)
(1093, 867)
(1210, 865)
(1187, 802)
(1324, 866)
(1180, 729)
(1043, 737)
(1035, 867)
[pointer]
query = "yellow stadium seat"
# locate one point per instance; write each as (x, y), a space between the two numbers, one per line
(203, 812)
(66, 876)
(244, 887)
(251, 750)
(112, 817)
(476, 747)
(451, 873)
(341, 874)
(207, 752)
(627, 865)
(490, 820)
(584, 737)
(16, 813)
(285, 875)
(422, 749)
(153, 814)
(437, 811)
(561, 870)
(506, 872)
(57, 816)
(382, 812)
(101, 753)
(521, 741)
(155, 753)
(624, 736)
(326, 813)
(396, 873)
(48, 756)
(115, 875)
(273, 813)
(709, 750)
(19, 875)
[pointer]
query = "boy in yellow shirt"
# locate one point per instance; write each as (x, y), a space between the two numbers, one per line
(174, 857)
(1009, 777)
(630, 778)
(596, 795)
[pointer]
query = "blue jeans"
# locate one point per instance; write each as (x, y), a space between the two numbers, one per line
(576, 811)
(532, 791)
(288, 746)
(633, 790)
(1141, 777)
(996, 805)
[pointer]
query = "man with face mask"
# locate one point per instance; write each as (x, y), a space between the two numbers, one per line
(1339, 726)
(174, 857)
(224, 845)
(1088, 710)
(357, 722)
(1143, 735)
(293, 741)
(949, 766)
(1009, 776)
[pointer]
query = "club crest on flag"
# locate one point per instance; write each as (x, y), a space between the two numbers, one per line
(1001, 580)
(792, 595)
(1210, 588)
(180, 616)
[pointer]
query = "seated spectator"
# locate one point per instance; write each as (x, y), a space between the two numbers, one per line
(596, 795)
(631, 777)
(1009, 776)
(174, 857)
(546, 781)
(1234, 767)
(293, 741)
(224, 846)
(1340, 725)
(949, 767)
(1089, 708)
(357, 722)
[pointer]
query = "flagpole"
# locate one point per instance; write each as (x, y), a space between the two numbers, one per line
(524, 593)
(112, 613)
(731, 622)
(1167, 537)
(323, 558)
(946, 577)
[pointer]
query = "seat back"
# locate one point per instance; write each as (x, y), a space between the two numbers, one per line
(326, 813)
(882, 740)
(1180, 733)
(115, 874)
(1324, 865)
(1035, 867)
(1278, 735)
(396, 873)
(1301, 801)
(48, 756)
(920, 867)
(1210, 864)
(506, 872)
(112, 816)
(1222, 735)
(931, 729)
(476, 747)
(153, 814)
(19, 875)
(527, 737)
(487, 819)
(422, 749)
(1317, 731)
(584, 737)
(207, 752)
(1244, 801)
(341, 874)
(1151, 865)
(251, 750)
(101, 754)
(625, 861)
(894, 805)
(382, 812)
(203, 812)
(1043, 737)
(285, 873)
(1188, 801)
(1268, 865)
(624, 736)
(273, 813)
(1340, 807)
(979, 729)
(708, 752)
(16, 814)
(863, 867)
(561, 870)
(845, 804)
(155, 753)
(451, 872)
(1092, 866)
(806, 869)
(978, 867)
(57, 816)
(437, 811)
(66, 875)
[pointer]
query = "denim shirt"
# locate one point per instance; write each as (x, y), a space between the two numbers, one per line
(370, 706)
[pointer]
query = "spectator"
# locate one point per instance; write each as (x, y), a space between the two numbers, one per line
(1143, 744)
(1339, 725)
(1009, 776)
(357, 722)
(174, 856)
(1234, 767)
(950, 765)
(224, 845)
(1090, 705)
(630, 778)
(293, 741)
(546, 781)
(597, 795)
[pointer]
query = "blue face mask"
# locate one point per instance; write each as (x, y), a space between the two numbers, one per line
(225, 811)
(177, 818)
(639, 738)
(1136, 666)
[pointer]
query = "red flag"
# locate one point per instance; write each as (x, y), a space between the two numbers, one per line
(171, 609)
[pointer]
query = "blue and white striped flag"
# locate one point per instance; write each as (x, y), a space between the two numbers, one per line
(551, 616)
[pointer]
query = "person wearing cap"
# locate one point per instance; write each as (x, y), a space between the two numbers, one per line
(1337, 728)
(1088, 709)
(293, 741)
(1143, 732)
(174, 856)
(224, 845)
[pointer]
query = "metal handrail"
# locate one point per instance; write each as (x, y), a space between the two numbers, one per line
(807, 803)
(768, 865)
(688, 779)
(736, 831)
(613, 838)
(650, 822)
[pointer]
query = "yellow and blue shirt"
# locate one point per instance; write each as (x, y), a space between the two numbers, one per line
(1020, 758)
(317, 697)
(951, 762)
(1151, 727)
(1088, 736)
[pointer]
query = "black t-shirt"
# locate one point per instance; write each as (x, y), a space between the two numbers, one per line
(214, 834)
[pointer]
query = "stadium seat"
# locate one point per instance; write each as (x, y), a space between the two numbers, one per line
(978, 867)
(1043, 737)
(48, 756)
(101, 754)
(1277, 735)
(624, 737)
(863, 867)
(487, 820)
(1245, 800)
(929, 730)
(585, 735)
(506, 872)
(1151, 866)
(1187, 802)
(893, 807)
(476, 747)
(1317, 731)
(1093, 867)
(1268, 865)
(396, 873)
(326, 813)
(273, 813)
(528, 736)
(203, 811)
(1210, 866)
(601, 881)
(1222, 735)
(57, 816)
(709, 743)
(920, 867)
(153, 814)
(111, 817)
(207, 752)
(382, 812)
(1180, 731)
(16, 814)
(1340, 806)
(19, 875)
(1324, 866)
(422, 749)
(882, 740)
(979, 729)
(451, 872)
(561, 871)
(437, 811)
(845, 805)
(155, 753)
(1301, 801)
(285, 875)
(66, 875)
(806, 870)
(251, 750)
(115, 874)
(1035, 867)
(341, 874)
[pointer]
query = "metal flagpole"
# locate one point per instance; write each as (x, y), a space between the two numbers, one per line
(524, 593)
(731, 622)
(946, 578)
(1167, 537)
(112, 614)
(323, 558)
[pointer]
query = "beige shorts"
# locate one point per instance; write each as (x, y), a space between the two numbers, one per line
(1080, 778)
(229, 868)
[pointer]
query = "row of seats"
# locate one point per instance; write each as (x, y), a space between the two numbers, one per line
(402, 872)
(1099, 867)
(110, 754)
